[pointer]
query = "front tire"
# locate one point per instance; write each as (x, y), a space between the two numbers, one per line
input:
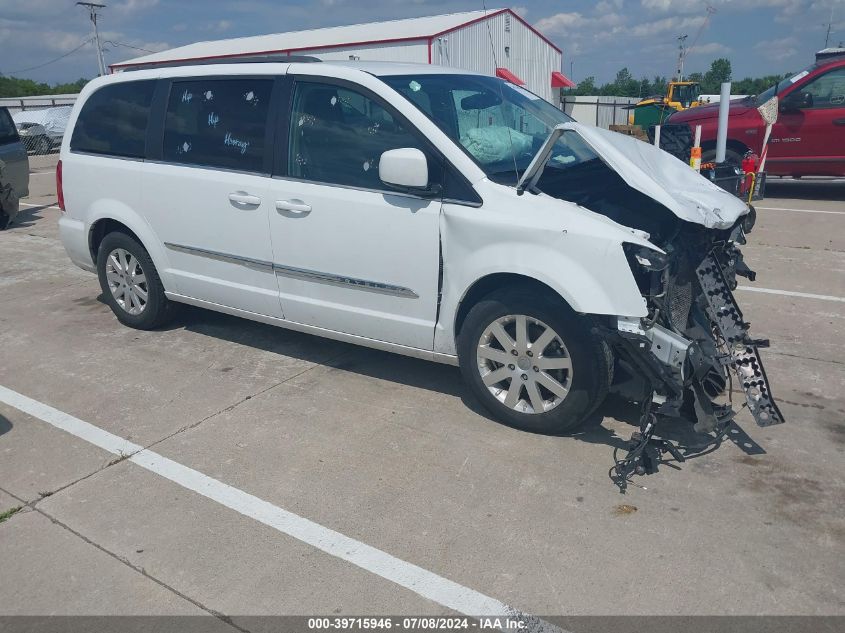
(533, 362)
(130, 283)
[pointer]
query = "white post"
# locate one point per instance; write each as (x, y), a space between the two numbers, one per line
(695, 153)
(657, 136)
(722, 133)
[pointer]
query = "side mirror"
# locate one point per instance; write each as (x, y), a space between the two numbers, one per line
(405, 169)
(796, 101)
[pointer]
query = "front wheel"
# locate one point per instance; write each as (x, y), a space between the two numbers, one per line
(532, 362)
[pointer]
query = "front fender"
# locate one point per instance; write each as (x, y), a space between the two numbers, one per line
(588, 270)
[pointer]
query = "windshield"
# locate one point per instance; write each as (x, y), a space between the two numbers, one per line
(783, 85)
(686, 94)
(500, 125)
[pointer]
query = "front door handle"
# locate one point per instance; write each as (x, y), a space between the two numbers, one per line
(839, 121)
(245, 199)
(295, 206)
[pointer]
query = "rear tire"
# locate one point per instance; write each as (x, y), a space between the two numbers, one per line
(43, 146)
(547, 380)
(130, 283)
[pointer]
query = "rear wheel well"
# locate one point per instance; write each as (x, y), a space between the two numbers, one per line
(498, 281)
(102, 228)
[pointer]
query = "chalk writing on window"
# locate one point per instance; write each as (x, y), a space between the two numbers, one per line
(231, 141)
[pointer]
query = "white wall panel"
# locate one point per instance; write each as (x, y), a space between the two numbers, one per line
(528, 56)
(415, 51)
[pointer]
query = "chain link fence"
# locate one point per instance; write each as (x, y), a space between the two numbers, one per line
(41, 121)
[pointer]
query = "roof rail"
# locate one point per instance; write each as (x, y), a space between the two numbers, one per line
(241, 59)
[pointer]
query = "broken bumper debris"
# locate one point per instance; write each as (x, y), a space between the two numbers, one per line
(684, 360)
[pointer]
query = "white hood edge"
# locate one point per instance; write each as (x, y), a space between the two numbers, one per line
(653, 172)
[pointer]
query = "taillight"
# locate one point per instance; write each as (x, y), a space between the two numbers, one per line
(59, 190)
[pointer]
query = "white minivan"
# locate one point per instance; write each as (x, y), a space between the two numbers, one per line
(422, 210)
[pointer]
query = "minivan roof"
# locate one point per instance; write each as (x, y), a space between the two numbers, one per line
(234, 67)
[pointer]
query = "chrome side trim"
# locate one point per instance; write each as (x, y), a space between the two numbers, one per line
(224, 257)
(300, 273)
(340, 280)
(437, 357)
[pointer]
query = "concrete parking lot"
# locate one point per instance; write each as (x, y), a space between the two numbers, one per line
(349, 481)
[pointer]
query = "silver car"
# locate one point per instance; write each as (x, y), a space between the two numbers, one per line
(14, 169)
(35, 138)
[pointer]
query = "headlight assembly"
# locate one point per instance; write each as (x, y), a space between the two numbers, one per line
(645, 257)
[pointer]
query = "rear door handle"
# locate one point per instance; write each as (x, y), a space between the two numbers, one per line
(245, 199)
(295, 206)
(839, 121)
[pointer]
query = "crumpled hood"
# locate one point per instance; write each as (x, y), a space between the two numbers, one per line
(664, 178)
(655, 173)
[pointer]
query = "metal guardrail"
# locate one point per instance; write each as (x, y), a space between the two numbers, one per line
(16, 104)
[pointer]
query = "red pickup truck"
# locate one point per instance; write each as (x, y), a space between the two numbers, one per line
(808, 138)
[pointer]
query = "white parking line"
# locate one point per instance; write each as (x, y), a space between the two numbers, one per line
(790, 293)
(43, 206)
(416, 579)
(800, 210)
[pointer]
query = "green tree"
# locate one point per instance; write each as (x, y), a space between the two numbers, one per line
(720, 72)
(17, 87)
(658, 85)
(586, 86)
(624, 85)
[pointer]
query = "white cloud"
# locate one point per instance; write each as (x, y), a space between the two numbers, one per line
(129, 7)
(219, 26)
(560, 23)
(711, 48)
(609, 6)
(778, 49)
(576, 23)
(672, 24)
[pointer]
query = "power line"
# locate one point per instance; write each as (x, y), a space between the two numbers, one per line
(137, 48)
(52, 61)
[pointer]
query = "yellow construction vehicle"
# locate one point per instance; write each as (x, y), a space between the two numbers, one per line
(680, 95)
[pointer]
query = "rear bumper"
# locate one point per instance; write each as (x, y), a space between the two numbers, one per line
(74, 236)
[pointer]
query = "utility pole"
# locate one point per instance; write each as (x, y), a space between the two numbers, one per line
(827, 37)
(92, 11)
(682, 53)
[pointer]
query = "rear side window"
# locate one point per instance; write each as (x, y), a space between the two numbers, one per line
(218, 123)
(8, 133)
(114, 119)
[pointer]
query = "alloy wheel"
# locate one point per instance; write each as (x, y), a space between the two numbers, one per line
(524, 364)
(127, 281)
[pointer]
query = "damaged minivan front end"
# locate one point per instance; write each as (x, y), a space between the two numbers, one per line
(681, 359)
(642, 250)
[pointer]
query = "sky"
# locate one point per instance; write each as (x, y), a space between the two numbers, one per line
(759, 37)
